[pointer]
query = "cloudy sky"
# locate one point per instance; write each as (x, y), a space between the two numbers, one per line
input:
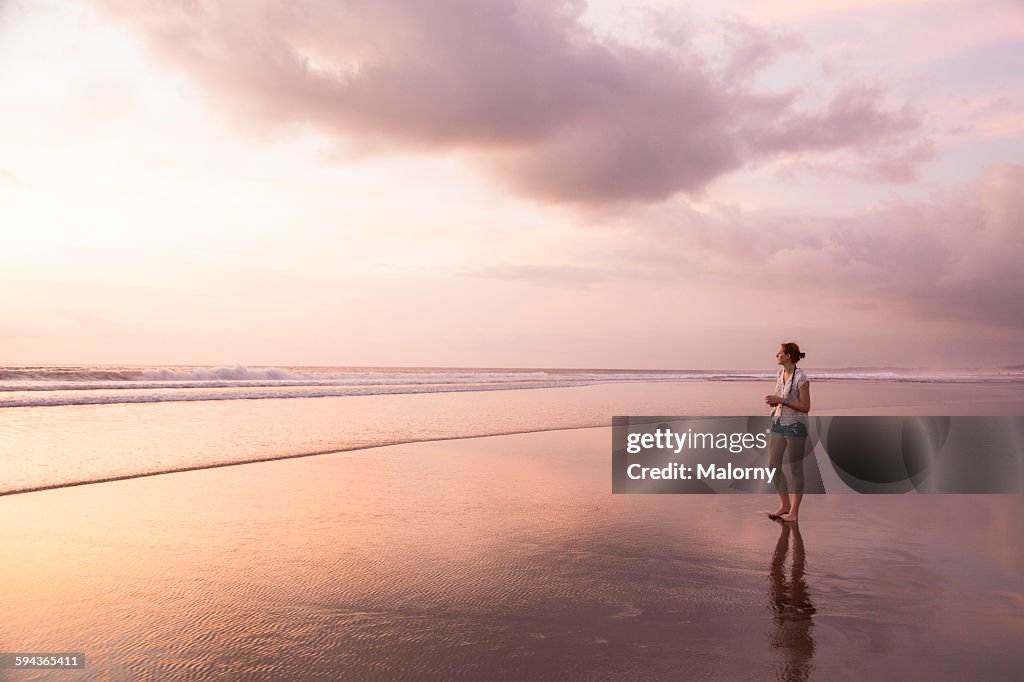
(496, 183)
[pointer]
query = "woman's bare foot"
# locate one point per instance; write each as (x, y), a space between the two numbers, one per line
(778, 513)
(789, 518)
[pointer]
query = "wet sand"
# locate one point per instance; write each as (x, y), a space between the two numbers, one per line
(502, 558)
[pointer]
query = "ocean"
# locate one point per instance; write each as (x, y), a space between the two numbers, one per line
(70, 425)
(51, 386)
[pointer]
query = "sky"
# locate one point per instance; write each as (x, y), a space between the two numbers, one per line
(512, 184)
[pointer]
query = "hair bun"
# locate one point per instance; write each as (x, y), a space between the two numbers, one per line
(803, 355)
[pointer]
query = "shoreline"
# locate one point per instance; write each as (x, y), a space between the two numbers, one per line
(81, 445)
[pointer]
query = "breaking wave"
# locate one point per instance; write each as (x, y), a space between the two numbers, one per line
(91, 385)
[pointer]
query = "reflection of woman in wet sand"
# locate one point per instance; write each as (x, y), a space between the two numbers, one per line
(791, 604)
(790, 404)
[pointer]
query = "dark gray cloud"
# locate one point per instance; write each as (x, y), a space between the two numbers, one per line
(551, 109)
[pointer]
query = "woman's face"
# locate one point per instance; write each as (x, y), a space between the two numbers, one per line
(781, 357)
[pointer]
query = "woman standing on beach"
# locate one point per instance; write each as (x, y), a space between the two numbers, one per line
(790, 404)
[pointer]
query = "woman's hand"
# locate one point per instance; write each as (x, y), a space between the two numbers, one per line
(802, 405)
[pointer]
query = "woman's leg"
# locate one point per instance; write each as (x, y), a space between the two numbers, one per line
(776, 453)
(795, 457)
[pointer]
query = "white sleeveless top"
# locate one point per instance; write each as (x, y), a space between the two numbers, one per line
(790, 390)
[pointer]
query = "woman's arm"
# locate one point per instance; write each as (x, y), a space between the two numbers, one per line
(802, 405)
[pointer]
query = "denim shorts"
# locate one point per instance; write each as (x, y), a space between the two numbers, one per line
(797, 430)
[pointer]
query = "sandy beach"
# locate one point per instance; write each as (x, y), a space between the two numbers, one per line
(502, 558)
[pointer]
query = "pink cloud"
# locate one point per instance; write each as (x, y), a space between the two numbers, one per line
(895, 165)
(956, 257)
(546, 106)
